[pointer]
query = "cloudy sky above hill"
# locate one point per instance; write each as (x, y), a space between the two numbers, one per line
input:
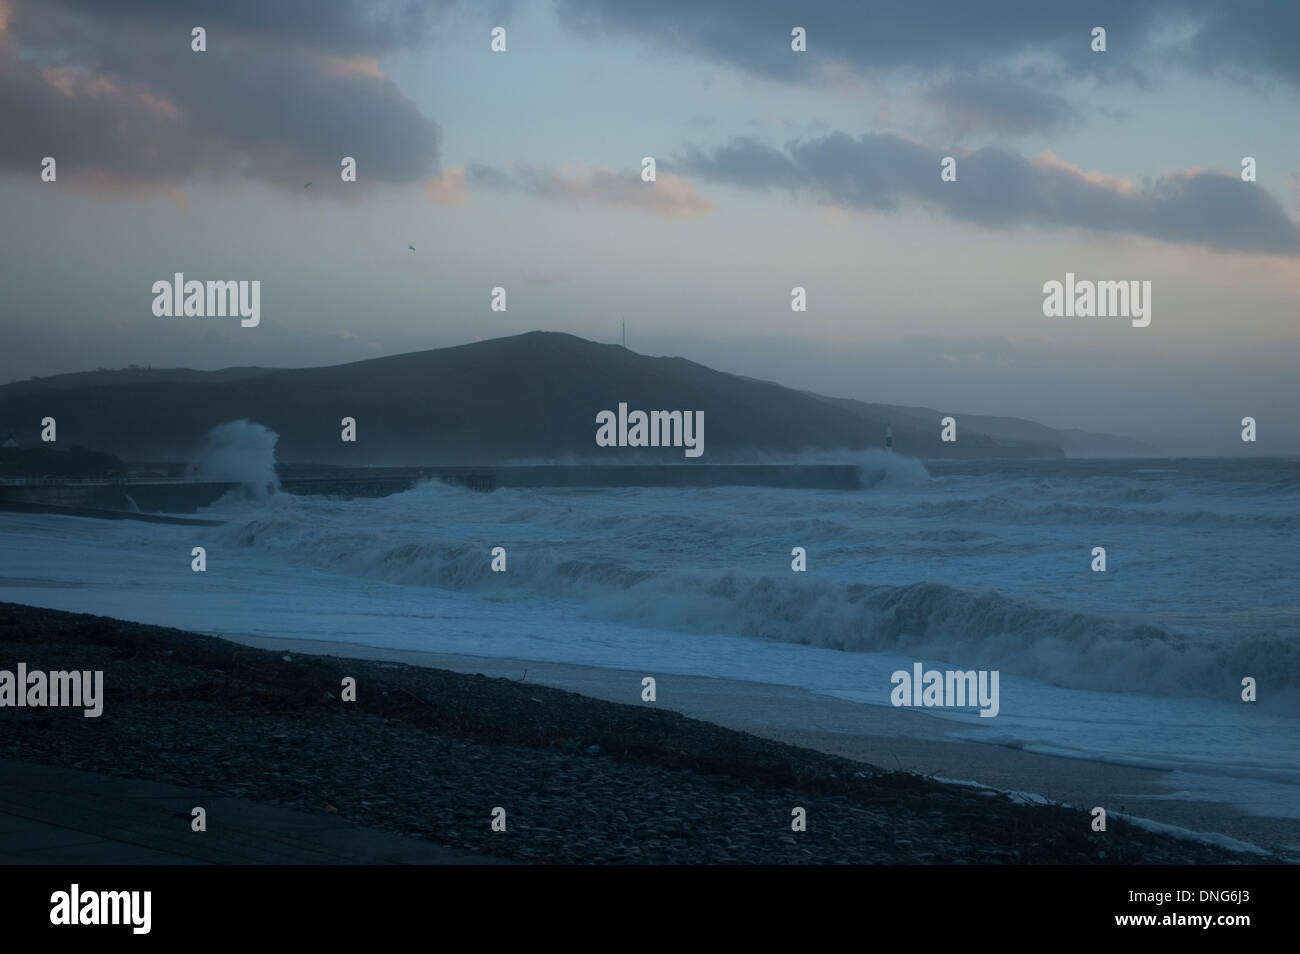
(775, 168)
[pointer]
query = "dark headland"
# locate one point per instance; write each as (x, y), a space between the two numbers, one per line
(428, 753)
(526, 398)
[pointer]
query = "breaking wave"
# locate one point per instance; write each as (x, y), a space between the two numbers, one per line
(242, 452)
(972, 628)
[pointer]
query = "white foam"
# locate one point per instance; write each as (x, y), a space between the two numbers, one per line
(1140, 665)
(1187, 834)
(239, 451)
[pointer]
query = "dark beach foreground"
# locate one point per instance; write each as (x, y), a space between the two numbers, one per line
(430, 754)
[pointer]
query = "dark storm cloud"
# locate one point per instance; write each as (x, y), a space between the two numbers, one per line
(997, 188)
(998, 102)
(113, 91)
(1248, 39)
(755, 34)
(340, 26)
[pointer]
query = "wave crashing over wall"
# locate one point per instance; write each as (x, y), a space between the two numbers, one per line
(242, 452)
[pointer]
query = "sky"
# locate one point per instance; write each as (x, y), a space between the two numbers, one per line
(775, 168)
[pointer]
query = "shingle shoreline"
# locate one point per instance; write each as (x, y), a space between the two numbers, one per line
(430, 753)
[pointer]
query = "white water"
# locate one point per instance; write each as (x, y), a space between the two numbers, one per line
(238, 451)
(1141, 664)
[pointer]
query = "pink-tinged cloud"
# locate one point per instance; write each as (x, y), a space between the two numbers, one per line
(447, 187)
(353, 66)
(124, 102)
(671, 195)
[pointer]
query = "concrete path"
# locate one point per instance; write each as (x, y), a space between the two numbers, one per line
(58, 816)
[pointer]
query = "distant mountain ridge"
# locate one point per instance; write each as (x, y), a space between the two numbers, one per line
(131, 375)
(532, 396)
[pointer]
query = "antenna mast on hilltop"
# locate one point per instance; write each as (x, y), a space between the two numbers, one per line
(624, 332)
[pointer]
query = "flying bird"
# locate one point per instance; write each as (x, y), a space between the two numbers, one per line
(307, 186)
(411, 247)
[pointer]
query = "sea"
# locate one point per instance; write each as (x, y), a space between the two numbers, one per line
(984, 565)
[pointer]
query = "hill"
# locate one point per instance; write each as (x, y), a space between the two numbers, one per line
(528, 397)
(1009, 432)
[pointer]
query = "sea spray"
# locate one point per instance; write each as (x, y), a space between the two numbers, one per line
(887, 467)
(239, 451)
